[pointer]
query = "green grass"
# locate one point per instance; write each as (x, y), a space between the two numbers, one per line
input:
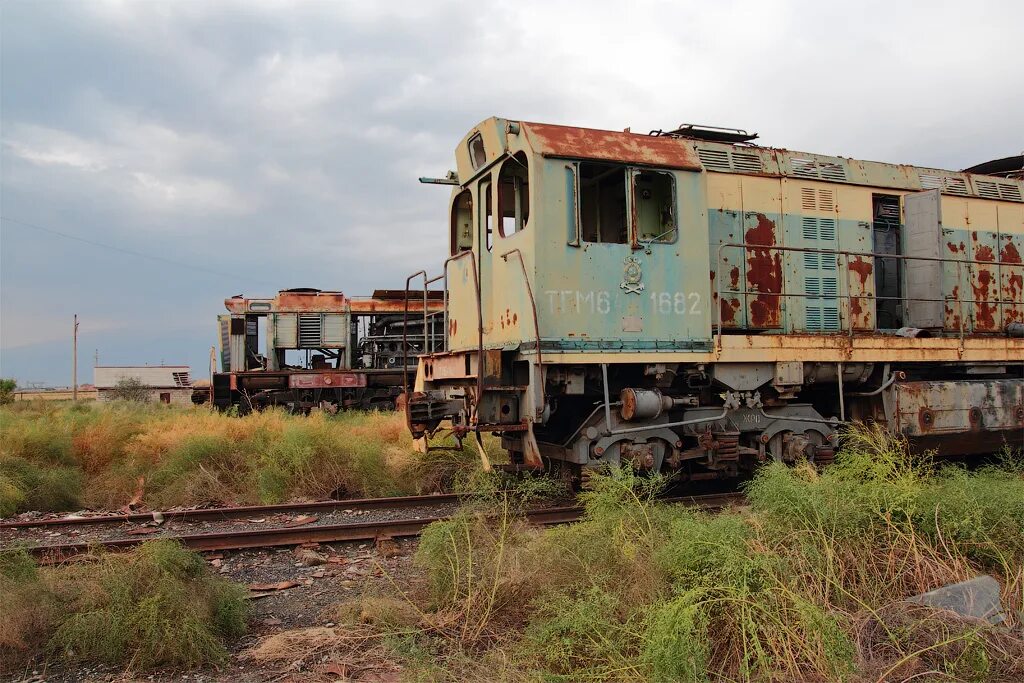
(62, 457)
(158, 606)
(807, 582)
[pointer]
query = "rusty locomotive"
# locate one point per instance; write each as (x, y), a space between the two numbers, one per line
(321, 349)
(691, 301)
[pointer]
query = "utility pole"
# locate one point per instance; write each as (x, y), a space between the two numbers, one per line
(74, 361)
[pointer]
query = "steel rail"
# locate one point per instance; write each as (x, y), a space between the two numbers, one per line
(242, 511)
(334, 533)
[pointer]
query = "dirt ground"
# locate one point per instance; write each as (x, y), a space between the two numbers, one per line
(290, 588)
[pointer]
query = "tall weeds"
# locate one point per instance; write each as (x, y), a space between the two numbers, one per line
(103, 456)
(808, 582)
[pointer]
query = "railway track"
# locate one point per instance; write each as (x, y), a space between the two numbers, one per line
(326, 533)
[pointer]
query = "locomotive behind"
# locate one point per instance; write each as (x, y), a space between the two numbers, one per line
(690, 301)
(320, 349)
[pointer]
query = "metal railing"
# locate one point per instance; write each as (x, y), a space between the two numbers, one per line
(843, 274)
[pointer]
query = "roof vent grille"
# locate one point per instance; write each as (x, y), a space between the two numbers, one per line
(744, 161)
(714, 159)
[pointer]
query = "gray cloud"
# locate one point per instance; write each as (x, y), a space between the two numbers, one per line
(281, 142)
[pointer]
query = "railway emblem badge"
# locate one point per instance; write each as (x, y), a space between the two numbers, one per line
(631, 276)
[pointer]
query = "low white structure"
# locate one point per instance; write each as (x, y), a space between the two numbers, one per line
(164, 383)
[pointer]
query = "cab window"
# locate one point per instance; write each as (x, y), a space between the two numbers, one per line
(477, 154)
(486, 214)
(462, 223)
(602, 198)
(514, 195)
(654, 202)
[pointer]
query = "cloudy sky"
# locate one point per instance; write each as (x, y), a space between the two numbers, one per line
(158, 157)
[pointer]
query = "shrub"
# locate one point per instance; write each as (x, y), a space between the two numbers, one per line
(130, 389)
(158, 606)
(7, 388)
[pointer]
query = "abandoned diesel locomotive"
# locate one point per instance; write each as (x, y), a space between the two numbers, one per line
(689, 300)
(306, 348)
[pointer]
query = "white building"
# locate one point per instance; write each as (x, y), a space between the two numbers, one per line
(165, 383)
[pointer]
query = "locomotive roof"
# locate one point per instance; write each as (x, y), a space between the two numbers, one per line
(722, 157)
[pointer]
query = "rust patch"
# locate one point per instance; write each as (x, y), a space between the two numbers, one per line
(985, 319)
(606, 145)
(764, 273)
(862, 268)
(712, 276)
(729, 308)
(453, 327)
(515, 318)
(1015, 285)
(1009, 253)
(955, 249)
(984, 253)
(734, 277)
(925, 419)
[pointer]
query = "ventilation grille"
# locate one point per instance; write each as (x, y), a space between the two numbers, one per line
(724, 160)
(181, 379)
(746, 162)
(1009, 191)
(821, 200)
(817, 261)
(944, 183)
(309, 330)
(811, 169)
(819, 228)
(987, 189)
(714, 159)
(996, 190)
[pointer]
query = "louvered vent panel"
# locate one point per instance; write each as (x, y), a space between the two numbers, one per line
(830, 318)
(1009, 191)
(826, 229)
(749, 163)
(833, 171)
(807, 198)
(987, 189)
(309, 330)
(810, 228)
(825, 201)
(930, 181)
(810, 260)
(955, 185)
(828, 262)
(804, 168)
(714, 159)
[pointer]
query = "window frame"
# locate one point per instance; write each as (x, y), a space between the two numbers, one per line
(477, 137)
(454, 247)
(485, 211)
(519, 222)
(634, 173)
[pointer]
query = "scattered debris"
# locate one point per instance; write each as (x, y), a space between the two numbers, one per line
(977, 598)
(301, 520)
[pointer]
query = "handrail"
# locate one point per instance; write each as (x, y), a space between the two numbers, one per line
(479, 318)
(536, 326)
(849, 296)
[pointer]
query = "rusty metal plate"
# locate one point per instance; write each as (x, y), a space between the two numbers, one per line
(605, 145)
(327, 380)
(947, 408)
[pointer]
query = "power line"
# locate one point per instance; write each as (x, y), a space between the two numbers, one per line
(137, 254)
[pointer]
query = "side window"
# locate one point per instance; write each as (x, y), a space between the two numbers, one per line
(477, 154)
(486, 214)
(462, 222)
(514, 195)
(603, 211)
(654, 202)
